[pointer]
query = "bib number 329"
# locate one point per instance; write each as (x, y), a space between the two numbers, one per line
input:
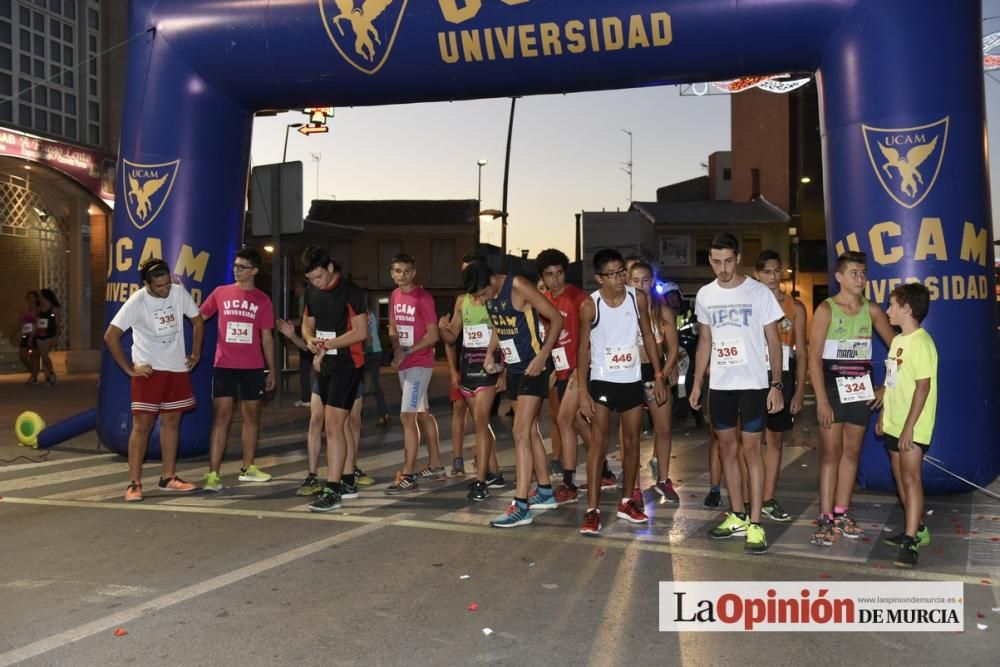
(856, 389)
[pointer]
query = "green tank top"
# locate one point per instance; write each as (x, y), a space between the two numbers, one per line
(475, 339)
(847, 350)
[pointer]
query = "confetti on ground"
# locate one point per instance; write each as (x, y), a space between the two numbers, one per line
(473, 607)
(879, 505)
(874, 525)
(995, 610)
(879, 566)
(803, 465)
(887, 529)
(866, 539)
(550, 587)
(939, 551)
(120, 632)
(930, 512)
(599, 553)
(986, 581)
(531, 564)
(464, 576)
(487, 632)
(980, 614)
(824, 575)
(982, 626)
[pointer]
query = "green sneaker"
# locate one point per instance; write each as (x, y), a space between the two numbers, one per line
(775, 512)
(253, 474)
(212, 482)
(923, 538)
(756, 541)
(310, 486)
(731, 526)
(361, 478)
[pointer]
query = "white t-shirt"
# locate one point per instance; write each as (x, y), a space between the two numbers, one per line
(737, 317)
(157, 327)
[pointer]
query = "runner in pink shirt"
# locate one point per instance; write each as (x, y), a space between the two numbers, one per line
(244, 346)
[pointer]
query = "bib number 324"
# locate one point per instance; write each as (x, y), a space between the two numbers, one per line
(856, 389)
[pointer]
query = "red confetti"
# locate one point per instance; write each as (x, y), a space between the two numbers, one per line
(980, 614)
(824, 575)
(980, 518)
(866, 539)
(974, 531)
(599, 553)
(879, 566)
(693, 496)
(120, 632)
(875, 525)
(939, 551)
(986, 581)
(473, 607)
(995, 539)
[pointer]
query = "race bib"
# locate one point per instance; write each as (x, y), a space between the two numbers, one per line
(27, 328)
(164, 322)
(510, 355)
(729, 353)
(559, 359)
(239, 332)
(476, 336)
(621, 358)
(404, 334)
(856, 389)
(891, 371)
(327, 335)
(43, 325)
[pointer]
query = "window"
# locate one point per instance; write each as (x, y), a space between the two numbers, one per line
(55, 123)
(675, 250)
(444, 267)
(702, 246)
(94, 134)
(94, 111)
(749, 249)
(41, 120)
(42, 96)
(727, 174)
(93, 19)
(24, 114)
(5, 32)
(6, 87)
(55, 99)
(386, 251)
(5, 8)
(6, 59)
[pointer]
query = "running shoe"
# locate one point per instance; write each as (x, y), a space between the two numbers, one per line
(923, 538)
(458, 467)
(133, 494)
(825, 534)
(253, 474)
(32, 380)
(564, 495)
(555, 467)
(213, 482)
(539, 500)
(328, 501)
(515, 515)
(349, 491)
(403, 484)
(50, 379)
(666, 489)
(301, 404)
(495, 481)
(607, 483)
(478, 492)
(775, 512)
(631, 511)
(731, 526)
(176, 484)
(591, 523)
(429, 473)
(713, 500)
(362, 478)
(907, 555)
(310, 486)
(847, 527)
(383, 421)
(756, 541)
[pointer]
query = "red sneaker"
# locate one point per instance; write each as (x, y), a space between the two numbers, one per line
(591, 523)
(564, 495)
(133, 494)
(631, 511)
(176, 484)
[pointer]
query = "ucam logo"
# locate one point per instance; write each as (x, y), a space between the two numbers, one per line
(907, 160)
(147, 188)
(362, 31)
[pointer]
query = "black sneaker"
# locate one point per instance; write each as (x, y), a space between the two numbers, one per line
(479, 492)
(328, 501)
(495, 481)
(403, 484)
(907, 554)
(775, 512)
(555, 467)
(923, 538)
(349, 491)
(713, 500)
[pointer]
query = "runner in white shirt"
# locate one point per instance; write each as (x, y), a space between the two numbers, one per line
(159, 369)
(738, 319)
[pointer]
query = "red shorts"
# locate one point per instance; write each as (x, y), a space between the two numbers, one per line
(163, 391)
(455, 394)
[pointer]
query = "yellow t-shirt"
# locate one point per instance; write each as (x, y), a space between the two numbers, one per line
(915, 358)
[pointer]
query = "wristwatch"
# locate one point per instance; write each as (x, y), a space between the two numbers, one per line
(780, 386)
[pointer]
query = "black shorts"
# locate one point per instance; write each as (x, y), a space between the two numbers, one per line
(857, 413)
(247, 384)
(561, 386)
(519, 384)
(340, 388)
(783, 421)
(473, 382)
(617, 396)
(891, 443)
(745, 407)
(27, 343)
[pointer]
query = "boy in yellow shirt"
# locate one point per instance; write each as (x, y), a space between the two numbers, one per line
(908, 410)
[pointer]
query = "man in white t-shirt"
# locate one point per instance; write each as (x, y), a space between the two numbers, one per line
(159, 369)
(737, 321)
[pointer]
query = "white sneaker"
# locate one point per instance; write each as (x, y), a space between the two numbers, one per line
(301, 404)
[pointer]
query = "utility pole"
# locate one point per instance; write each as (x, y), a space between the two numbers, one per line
(627, 166)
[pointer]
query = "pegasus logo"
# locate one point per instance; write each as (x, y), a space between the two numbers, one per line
(147, 187)
(374, 24)
(905, 150)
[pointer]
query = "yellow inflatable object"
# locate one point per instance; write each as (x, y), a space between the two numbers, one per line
(27, 427)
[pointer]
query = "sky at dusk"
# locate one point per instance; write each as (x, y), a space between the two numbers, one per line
(566, 156)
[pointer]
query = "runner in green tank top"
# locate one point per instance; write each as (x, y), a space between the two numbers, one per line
(840, 362)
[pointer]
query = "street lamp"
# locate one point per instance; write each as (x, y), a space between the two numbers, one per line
(627, 166)
(479, 201)
(290, 126)
(277, 297)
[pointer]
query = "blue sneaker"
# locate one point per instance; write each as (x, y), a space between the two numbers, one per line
(539, 500)
(514, 516)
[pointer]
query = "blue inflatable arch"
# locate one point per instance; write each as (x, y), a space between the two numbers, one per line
(903, 136)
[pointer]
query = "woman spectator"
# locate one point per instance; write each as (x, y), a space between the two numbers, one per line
(46, 333)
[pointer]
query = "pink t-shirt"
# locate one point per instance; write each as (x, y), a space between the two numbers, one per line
(412, 313)
(243, 314)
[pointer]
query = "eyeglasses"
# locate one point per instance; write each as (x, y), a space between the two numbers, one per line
(620, 273)
(242, 267)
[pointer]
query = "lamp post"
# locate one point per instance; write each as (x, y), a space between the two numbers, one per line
(277, 297)
(627, 166)
(479, 202)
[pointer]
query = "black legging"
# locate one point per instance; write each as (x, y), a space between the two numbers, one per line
(305, 375)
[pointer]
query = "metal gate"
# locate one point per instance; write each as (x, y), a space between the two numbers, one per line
(25, 214)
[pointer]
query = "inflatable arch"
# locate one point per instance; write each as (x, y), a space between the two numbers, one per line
(903, 136)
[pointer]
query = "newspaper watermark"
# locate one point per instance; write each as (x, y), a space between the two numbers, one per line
(809, 606)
